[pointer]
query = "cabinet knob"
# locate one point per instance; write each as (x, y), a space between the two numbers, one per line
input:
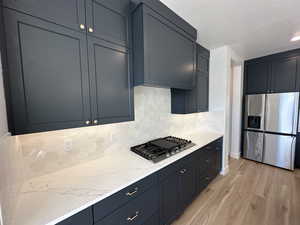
(91, 30)
(87, 122)
(82, 27)
(95, 121)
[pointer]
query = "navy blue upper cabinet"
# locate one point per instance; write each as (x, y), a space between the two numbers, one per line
(257, 78)
(273, 74)
(48, 74)
(108, 20)
(111, 88)
(69, 13)
(284, 75)
(195, 100)
(105, 19)
(164, 54)
(60, 75)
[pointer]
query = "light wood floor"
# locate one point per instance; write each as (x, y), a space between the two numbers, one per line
(251, 194)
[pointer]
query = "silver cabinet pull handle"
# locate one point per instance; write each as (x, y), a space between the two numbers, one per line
(133, 192)
(81, 26)
(134, 217)
(182, 171)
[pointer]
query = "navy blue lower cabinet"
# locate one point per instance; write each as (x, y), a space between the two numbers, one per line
(208, 164)
(136, 212)
(112, 203)
(153, 220)
(169, 198)
(187, 183)
(84, 217)
(160, 198)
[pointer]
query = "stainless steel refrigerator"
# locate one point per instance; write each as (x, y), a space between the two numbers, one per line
(271, 122)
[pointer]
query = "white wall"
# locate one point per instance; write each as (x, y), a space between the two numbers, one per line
(236, 110)
(3, 119)
(218, 79)
(221, 92)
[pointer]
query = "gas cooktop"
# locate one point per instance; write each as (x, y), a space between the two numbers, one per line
(162, 148)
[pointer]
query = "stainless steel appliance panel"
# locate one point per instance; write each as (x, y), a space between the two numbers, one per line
(253, 145)
(282, 113)
(255, 107)
(279, 150)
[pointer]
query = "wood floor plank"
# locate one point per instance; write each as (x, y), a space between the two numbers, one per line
(251, 194)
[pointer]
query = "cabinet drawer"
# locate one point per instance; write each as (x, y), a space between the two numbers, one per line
(203, 182)
(82, 218)
(136, 212)
(165, 172)
(153, 220)
(115, 201)
(187, 161)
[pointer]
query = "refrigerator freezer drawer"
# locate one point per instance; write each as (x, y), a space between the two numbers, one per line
(279, 150)
(253, 145)
(282, 113)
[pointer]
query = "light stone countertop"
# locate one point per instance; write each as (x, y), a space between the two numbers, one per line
(51, 198)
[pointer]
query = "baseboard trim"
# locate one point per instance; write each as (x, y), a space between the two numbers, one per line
(4, 136)
(235, 155)
(224, 171)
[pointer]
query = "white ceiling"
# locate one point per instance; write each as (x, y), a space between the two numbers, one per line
(252, 28)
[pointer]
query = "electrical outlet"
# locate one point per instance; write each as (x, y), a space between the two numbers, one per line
(68, 146)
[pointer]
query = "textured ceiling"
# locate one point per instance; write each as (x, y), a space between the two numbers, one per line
(251, 27)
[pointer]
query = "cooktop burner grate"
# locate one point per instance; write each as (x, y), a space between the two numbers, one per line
(162, 148)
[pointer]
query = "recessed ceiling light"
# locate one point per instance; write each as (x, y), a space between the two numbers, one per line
(296, 37)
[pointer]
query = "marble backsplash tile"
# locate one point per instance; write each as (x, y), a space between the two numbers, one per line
(51, 151)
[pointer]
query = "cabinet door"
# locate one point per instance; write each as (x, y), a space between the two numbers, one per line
(187, 185)
(48, 74)
(284, 75)
(69, 13)
(202, 92)
(169, 199)
(108, 20)
(153, 220)
(112, 94)
(82, 218)
(257, 78)
(170, 57)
